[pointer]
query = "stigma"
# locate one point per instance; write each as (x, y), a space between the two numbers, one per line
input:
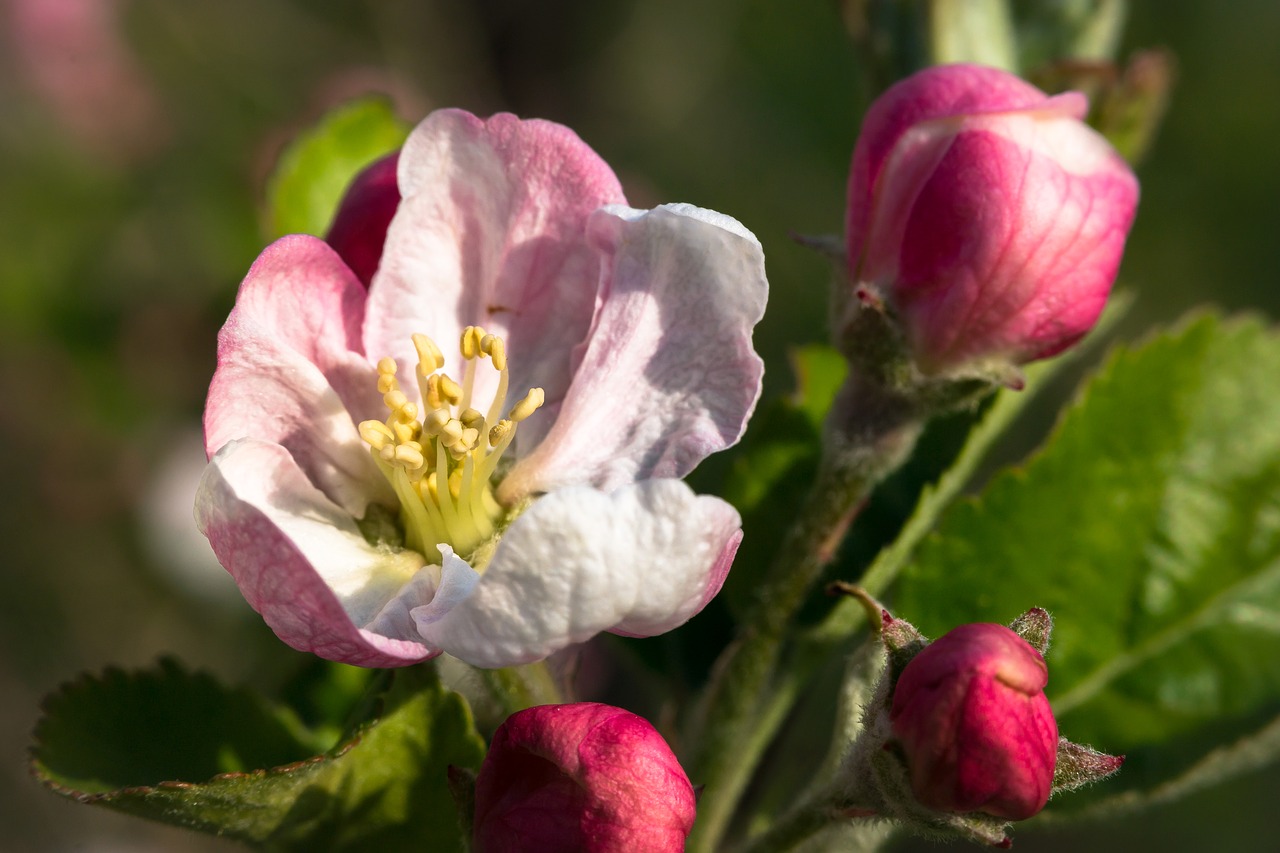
(441, 460)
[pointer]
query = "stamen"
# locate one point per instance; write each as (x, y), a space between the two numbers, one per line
(395, 400)
(450, 390)
(500, 431)
(493, 346)
(376, 433)
(441, 465)
(429, 356)
(530, 404)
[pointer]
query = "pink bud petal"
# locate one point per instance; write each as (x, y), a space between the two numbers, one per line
(975, 726)
(583, 777)
(987, 214)
(359, 228)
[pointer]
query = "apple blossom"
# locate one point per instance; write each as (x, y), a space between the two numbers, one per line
(977, 731)
(479, 454)
(987, 217)
(584, 777)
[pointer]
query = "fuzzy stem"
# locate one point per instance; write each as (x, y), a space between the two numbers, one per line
(871, 431)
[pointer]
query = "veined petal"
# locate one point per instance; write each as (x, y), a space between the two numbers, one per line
(490, 233)
(668, 375)
(300, 561)
(640, 560)
(290, 370)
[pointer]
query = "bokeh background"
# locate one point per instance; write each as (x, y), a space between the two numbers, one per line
(136, 138)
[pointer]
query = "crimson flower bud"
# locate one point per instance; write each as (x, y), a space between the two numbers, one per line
(986, 216)
(585, 777)
(359, 228)
(974, 725)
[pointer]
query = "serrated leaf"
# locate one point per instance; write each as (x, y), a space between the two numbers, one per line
(127, 729)
(385, 788)
(1150, 528)
(316, 168)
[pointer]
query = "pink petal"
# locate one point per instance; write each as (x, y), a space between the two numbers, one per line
(1016, 257)
(290, 370)
(300, 561)
(934, 93)
(668, 375)
(641, 560)
(490, 233)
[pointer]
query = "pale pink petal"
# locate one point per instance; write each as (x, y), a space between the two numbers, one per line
(668, 375)
(290, 370)
(641, 560)
(300, 561)
(490, 232)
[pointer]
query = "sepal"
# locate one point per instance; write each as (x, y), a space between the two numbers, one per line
(1080, 765)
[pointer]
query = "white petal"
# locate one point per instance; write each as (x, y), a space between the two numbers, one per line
(640, 560)
(668, 375)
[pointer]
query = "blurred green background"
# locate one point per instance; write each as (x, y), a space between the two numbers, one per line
(135, 144)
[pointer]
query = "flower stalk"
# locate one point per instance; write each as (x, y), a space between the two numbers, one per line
(859, 453)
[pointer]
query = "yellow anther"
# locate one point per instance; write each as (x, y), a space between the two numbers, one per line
(471, 418)
(455, 483)
(395, 399)
(431, 484)
(434, 400)
(450, 390)
(497, 350)
(387, 382)
(409, 456)
(429, 356)
(468, 440)
(376, 433)
(408, 413)
(451, 432)
(535, 398)
(470, 343)
(406, 431)
(387, 452)
(387, 365)
(499, 431)
(435, 421)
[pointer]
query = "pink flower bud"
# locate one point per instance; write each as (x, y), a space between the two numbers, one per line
(974, 724)
(987, 215)
(585, 777)
(359, 228)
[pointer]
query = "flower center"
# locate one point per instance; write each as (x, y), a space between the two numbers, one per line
(441, 464)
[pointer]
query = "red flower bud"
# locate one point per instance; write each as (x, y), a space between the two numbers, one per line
(974, 724)
(987, 216)
(359, 228)
(585, 777)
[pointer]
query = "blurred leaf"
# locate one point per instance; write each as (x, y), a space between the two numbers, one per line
(1150, 527)
(124, 741)
(316, 168)
(772, 473)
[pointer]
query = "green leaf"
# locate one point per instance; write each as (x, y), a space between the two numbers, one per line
(316, 168)
(1150, 528)
(156, 744)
